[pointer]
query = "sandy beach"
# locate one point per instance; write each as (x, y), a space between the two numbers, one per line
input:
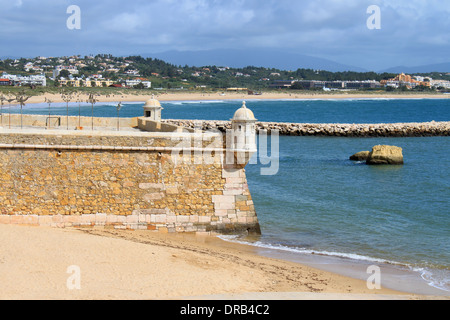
(35, 263)
(187, 96)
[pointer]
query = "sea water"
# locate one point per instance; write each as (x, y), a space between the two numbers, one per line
(294, 111)
(319, 203)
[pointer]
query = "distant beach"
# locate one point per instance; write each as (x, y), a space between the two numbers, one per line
(187, 96)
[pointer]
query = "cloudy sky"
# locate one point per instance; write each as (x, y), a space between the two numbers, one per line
(413, 32)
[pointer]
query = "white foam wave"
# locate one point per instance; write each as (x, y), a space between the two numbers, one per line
(429, 276)
(434, 280)
(179, 103)
(112, 104)
(280, 247)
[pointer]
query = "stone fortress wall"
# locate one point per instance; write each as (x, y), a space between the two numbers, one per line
(166, 181)
(126, 181)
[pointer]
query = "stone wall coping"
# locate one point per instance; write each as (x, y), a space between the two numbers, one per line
(103, 133)
(108, 148)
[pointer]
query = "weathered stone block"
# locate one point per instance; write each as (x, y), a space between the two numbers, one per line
(223, 199)
(231, 173)
(232, 216)
(233, 191)
(16, 219)
(31, 220)
(5, 219)
(241, 198)
(172, 190)
(221, 212)
(100, 218)
(45, 221)
(225, 206)
(242, 220)
(57, 219)
(193, 219)
(160, 218)
(147, 186)
(153, 196)
(204, 219)
(183, 219)
(171, 219)
(132, 219)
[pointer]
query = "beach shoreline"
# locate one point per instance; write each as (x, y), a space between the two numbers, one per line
(184, 96)
(129, 265)
(251, 272)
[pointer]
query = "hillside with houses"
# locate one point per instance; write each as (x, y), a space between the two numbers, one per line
(137, 72)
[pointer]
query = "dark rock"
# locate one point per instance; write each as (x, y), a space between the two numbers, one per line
(360, 156)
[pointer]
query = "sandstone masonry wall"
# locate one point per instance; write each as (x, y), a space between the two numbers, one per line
(123, 181)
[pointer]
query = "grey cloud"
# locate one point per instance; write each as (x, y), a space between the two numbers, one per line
(327, 28)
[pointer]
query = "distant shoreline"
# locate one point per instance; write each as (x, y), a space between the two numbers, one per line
(183, 96)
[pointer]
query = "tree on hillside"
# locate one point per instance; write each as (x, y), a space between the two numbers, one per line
(297, 86)
(64, 74)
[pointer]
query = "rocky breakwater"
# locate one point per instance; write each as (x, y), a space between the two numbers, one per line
(417, 129)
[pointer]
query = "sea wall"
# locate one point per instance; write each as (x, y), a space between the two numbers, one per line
(121, 180)
(338, 130)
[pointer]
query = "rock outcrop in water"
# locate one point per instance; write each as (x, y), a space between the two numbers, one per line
(385, 155)
(360, 156)
(421, 129)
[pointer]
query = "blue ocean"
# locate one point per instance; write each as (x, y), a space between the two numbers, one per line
(294, 111)
(319, 203)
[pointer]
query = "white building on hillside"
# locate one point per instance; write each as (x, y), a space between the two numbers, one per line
(34, 80)
(134, 82)
(440, 83)
(72, 70)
